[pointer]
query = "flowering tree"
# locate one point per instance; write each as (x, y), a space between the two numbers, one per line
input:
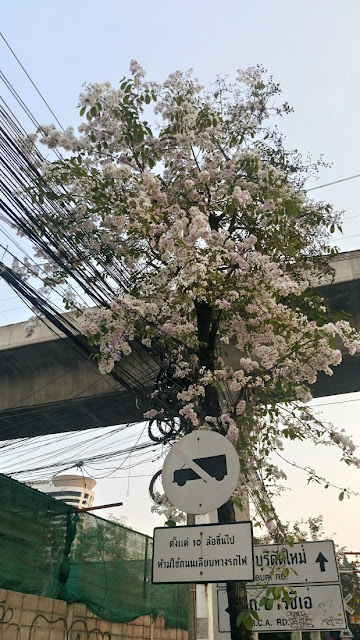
(192, 194)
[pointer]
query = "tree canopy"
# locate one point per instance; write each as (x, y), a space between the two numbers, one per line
(186, 202)
(190, 195)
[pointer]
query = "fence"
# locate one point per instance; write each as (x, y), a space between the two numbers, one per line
(48, 549)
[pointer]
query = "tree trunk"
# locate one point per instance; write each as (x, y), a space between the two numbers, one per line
(236, 591)
(207, 324)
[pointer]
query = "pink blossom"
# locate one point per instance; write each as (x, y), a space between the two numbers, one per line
(136, 69)
(241, 197)
(223, 304)
(232, 433)
(204, 176)
(240, 407)
(150, 414)
(250, 242)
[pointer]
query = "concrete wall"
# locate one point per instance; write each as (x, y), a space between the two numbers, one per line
(27, 617)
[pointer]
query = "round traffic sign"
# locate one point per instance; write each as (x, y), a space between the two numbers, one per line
(200, 472)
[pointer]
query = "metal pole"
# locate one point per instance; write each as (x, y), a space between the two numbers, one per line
(204, 621)
(145, 566)
(102, 506)
(191, 596)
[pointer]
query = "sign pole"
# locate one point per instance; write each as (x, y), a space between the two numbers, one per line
(241, 516)
(190, 520)
(203, 622)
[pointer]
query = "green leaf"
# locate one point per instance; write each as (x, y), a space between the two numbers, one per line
(248, 623)
(82, 111)
(286, 597)
(170, 523)
(247, 618)
(322, 333)
(263, 602)
(51, 195)
(341, 496)
(290, 540)
(240, 618)
(332, 228)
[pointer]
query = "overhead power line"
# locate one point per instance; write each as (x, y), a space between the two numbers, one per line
(32, 82)
(355, 235)
(329, 184)
(327, 404)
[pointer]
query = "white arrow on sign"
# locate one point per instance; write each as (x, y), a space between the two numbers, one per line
(200, 472)
(347, 598)
(307, 562)
(349, 609)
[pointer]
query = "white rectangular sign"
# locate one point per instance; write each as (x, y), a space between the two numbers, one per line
(203, 553)
(312, 608)
(307, 562)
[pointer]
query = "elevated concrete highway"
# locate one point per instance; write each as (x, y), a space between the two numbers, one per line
(47, 386)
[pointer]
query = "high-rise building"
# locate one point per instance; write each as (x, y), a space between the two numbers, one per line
(72, 489)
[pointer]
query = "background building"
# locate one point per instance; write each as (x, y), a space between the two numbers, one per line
(72, 489)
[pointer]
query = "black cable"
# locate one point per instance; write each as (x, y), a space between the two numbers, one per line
(326, 404)
(6, 459)
(356, 235)
(329, 184)
(32, 82)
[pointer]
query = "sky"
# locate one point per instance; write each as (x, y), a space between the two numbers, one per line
(311, 48)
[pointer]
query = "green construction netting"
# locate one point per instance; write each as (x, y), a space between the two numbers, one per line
(47, 549)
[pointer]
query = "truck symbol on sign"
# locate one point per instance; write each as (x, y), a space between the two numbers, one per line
(215, 466)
